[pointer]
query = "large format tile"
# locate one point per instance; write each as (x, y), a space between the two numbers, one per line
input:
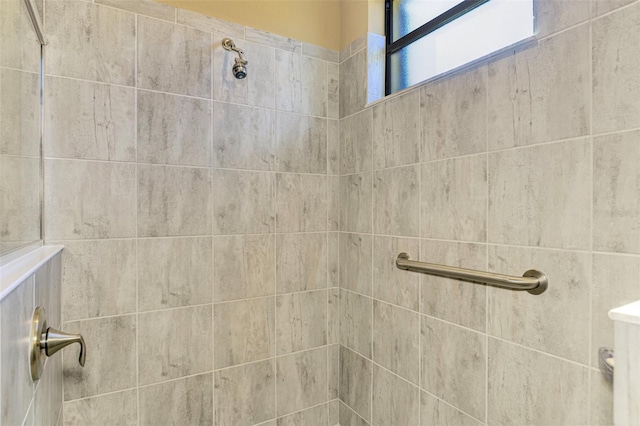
(209, 23)
(245, 395)
(89, 200)
(396, 131)
(541, 94)
(601, 402)
(244, 331)
(98, 278)
(616, 58)
(301, 203)
(173, 58)
(301, 380)
(356, 382)
(143, 7)
(456, 301)
(301, 143)
(91, 121)
(273, 40)
(18, 45)
(333, 90)
(20, 112)
(391, 284)
(533, 320)
(356, 142)
(556, 15)
(616, 193)
(173, 201)
(356, 322)
(396, 201)
(435, 412)
(173, 129)
(556, 390)
(353, 84)
(243, 267)
(82, 42)
(550, 209)
(111, 359)
(396, 340)
(333, 147)
(300, 84)
(243, 137)
(355, 202)
(173, 272)
(454, 365)
(454, 199)
(301, 262)
(185, 401)
(243, 202)
(355, 262)
(120, 408)
(301, 321)
(454, 116)
(316, 416)
(20, 204)
(346, 415)
(395, 401)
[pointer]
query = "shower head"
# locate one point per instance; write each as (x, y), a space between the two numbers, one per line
(240, 66)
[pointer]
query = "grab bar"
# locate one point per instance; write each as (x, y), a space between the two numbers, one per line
(532, 281)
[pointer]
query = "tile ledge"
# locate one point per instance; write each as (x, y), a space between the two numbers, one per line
(18, 270)
(628, 313)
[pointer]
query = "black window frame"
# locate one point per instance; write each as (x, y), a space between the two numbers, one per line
(438, 22)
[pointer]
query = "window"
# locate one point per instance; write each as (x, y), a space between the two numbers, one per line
(425, 38)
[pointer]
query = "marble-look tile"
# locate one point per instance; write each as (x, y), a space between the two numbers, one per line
(173, 201)
(16, 386)
(244, 331)
(435, 412)
(556, 390)
(333, 407)
(48, 291)
(173, 129)
(301, 321)
(82, 43)
(395, 401)
(344, 54)
(333, 314)
(273, 40)
(91, 121)
(320, 52)
(245, 395)
(173, 58)
(355, 263)
(89, 200)
(601, 7)
(261, 87)
(301, 84)
(533, 321)
(355, 322)
(527, 103)
(333, 261)
(333, 147)
(18, 45)
(355, 383)
(111, 362)
(301, 262)
(396, 335)
(209, 23)
(173, 272)
(454, 199)
(185, 401)
(98, 278)
(616, 186)
(616, 82)
(301, 203)
(454, 366)
(396, 201)
(316, 416)
(601, 403)
(20, 208)
(243, 267)
(301, 380)
(243, 137)
(333, 203)
(358, 44)
(550, 209)
(174, 343)
(346, 415)
(461, 100)
(301, 143)
(353, 84)
(437, 293)
(120, 408)
(391, 284)
(143, 7)
(356, 142)
(356, 202)
(615, 283)
(20, 112)
(333, 89)
(333, 372)
(556, 15)
(243, 202)
(396, 130)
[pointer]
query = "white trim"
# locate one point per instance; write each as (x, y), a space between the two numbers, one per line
(18, 270)
(628, 313)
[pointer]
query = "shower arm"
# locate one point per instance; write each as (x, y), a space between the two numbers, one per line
(228, 44)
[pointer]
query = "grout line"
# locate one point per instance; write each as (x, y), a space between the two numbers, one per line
(591, 216)
(137, 177)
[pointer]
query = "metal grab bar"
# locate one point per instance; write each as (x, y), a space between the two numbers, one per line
(532, 281)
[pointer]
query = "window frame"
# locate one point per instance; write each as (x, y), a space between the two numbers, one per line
(439, 21)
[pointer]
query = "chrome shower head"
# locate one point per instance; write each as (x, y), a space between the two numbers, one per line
(240, 66)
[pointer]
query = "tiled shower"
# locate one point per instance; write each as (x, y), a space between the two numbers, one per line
(230, 245)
